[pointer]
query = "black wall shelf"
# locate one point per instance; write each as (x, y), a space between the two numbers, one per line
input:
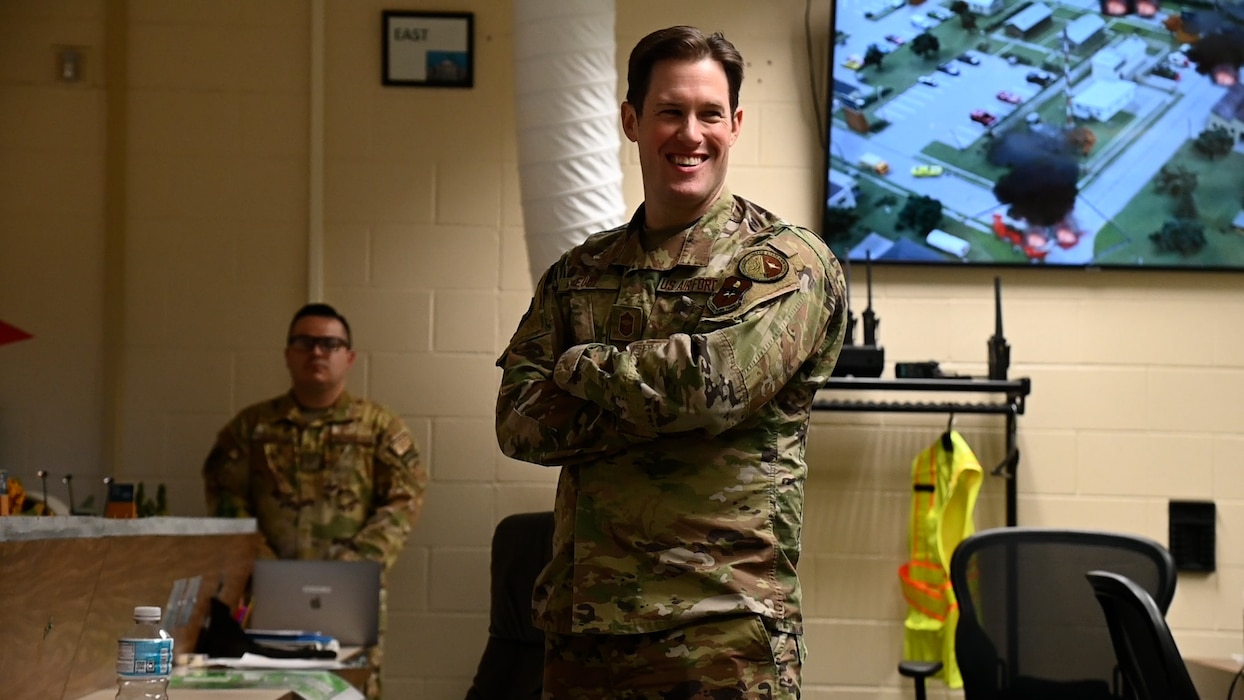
(1012, 393)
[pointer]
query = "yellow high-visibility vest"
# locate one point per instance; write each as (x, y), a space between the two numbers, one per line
(945, 483)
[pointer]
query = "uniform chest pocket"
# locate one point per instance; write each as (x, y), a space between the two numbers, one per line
(676, 313)
(589, 312)
(582, 310)
(349, 472)
(588, 302)
(680, 303)
(274, 460)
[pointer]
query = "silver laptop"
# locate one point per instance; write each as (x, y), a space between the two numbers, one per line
(340, 599)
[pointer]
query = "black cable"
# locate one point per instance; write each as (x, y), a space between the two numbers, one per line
(1235, 680)
(821, 133)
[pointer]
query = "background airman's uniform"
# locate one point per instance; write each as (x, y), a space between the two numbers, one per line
(674, 387)
(342, 483)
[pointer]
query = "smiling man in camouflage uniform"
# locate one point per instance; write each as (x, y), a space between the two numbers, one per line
(325, 474)
(669, 367)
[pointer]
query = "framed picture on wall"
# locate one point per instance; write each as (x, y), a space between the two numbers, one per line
(428, 49)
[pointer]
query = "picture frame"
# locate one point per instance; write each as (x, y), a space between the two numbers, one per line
(428, 49)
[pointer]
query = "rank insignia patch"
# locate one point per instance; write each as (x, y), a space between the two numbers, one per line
(763, 266)
(626, 323)
(730, 295)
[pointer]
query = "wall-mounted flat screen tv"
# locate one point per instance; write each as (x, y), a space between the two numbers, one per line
(1091, 133)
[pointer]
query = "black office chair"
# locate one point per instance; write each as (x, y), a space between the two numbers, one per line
(512, 665)
(1143, 644)
(1028, 627)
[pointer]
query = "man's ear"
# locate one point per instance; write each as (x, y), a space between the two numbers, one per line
(737, 127)
(630, 121)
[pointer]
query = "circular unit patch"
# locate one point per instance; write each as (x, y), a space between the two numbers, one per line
(763, 266)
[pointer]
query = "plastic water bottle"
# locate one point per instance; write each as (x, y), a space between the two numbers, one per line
(144, 658)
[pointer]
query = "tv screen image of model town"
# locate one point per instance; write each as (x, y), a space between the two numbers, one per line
(1097, 133)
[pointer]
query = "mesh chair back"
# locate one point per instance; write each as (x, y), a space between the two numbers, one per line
(1142, 640)
(1029, 627)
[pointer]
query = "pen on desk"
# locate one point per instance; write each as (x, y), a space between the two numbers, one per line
(243, 613)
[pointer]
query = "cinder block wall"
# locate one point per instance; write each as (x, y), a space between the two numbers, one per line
(154, 235)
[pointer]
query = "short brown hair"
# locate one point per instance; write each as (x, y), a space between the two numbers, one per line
(681, 43)
(319, 311)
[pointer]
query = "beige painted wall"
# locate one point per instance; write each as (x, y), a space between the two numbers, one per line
(154, 236)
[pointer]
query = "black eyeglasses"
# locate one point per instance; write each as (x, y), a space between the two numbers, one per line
(307, 343)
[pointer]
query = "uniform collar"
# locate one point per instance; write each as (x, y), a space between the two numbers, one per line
(693, 246)
(341, 410)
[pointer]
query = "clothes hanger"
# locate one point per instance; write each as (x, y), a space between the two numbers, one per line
(947, 443)
(1006, 467)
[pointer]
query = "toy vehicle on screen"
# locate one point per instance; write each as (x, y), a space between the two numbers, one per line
(969, 59)
(927, 80)
(923, 22)
(983, 118)
(1010, 97)
(854, 62)
(948, 69)
(926, 170)
(875, 163)
(941, 13)
(895, 39)
(1163, 70)
(1039, 77)
(943, 241)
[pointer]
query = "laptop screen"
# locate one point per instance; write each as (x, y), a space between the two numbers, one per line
(338, 598)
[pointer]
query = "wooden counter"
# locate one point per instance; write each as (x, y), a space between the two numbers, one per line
(70, 584)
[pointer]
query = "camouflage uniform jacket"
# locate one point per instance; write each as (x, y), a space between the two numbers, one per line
(343, 484)
(674, 387)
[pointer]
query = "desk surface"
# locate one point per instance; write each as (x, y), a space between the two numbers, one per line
(288, 685)
(187, 694)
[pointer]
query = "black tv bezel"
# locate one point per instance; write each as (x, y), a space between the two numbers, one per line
(827, 132)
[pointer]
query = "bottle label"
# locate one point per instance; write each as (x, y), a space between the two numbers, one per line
(139, 658)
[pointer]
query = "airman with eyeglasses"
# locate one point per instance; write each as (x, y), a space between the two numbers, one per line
(325, 474)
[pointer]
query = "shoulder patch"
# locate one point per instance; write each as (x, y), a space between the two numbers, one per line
(729, 295)
(401, 444)
(763, 266)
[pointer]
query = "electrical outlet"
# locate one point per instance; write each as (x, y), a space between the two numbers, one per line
(70, 64)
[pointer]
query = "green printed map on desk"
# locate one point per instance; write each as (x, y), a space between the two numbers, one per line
(308, 685)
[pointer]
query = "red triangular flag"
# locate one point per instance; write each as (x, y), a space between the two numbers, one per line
(12, 334)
